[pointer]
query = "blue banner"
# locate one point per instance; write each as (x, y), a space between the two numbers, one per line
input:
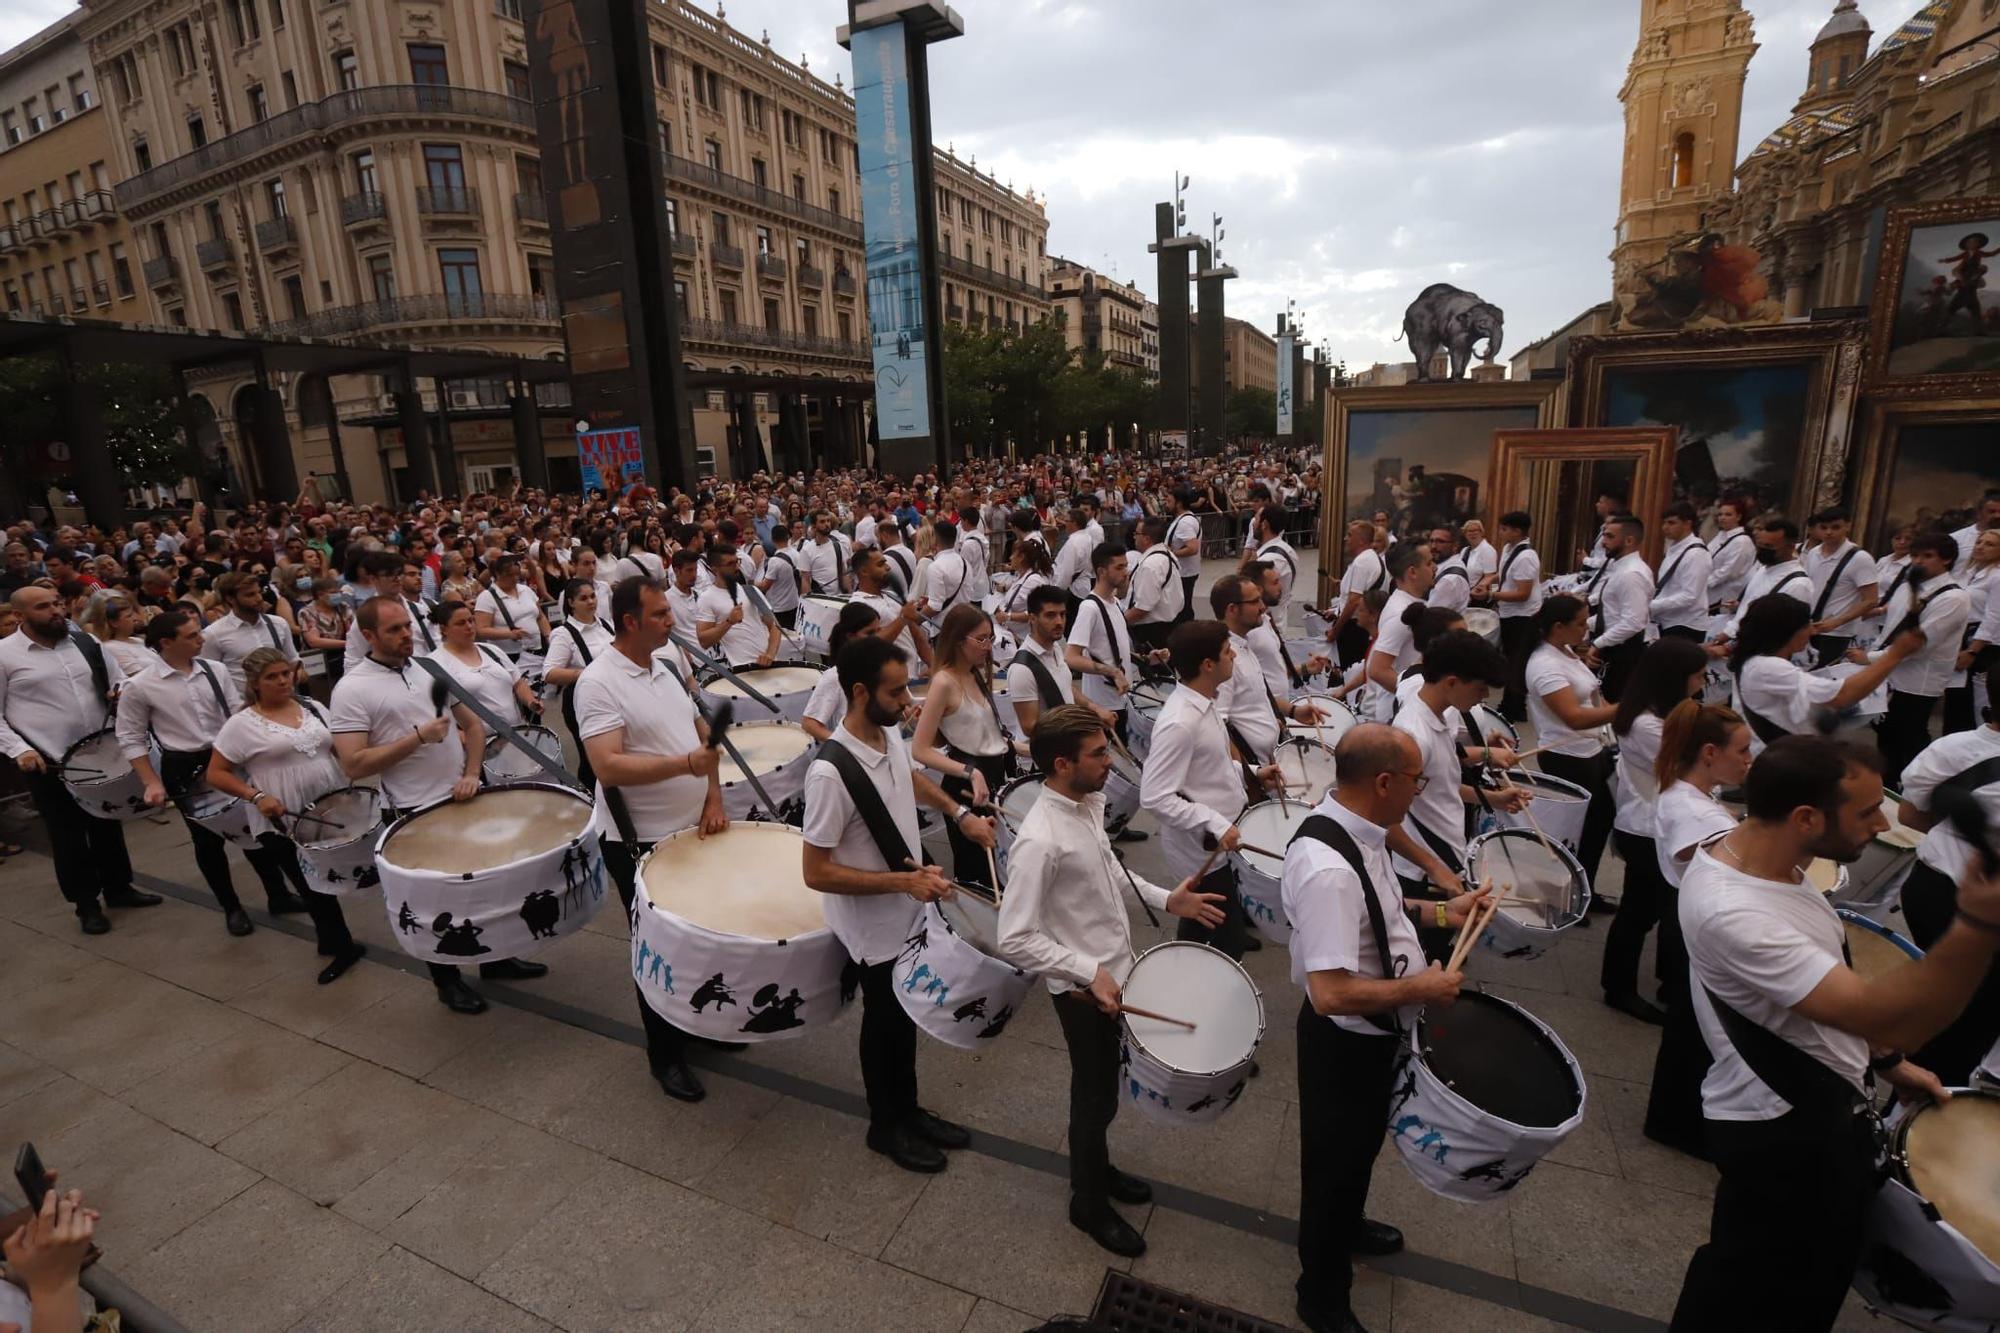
(897, 301)
(1284, 384)
(609, 460)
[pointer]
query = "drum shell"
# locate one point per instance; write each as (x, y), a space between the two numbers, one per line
(1492, 728)
(231, 818)
(1175, 1096)
(1502, 1153)
(493, 900)
(1121, 793)
(1303, 651)
(784, 784)
(817, 618)
(505, 766)
(1507, 936)
(121, 794)
(1902, 1222)
(940, 975)
(1484, 623)
(1140, 712)
(1258, 880)
(791, 703)
(1875, 881)
(1562, 818)
(1857, 921)
(813, 964)
(1005, 828)
(342, 867)
(1339, 721)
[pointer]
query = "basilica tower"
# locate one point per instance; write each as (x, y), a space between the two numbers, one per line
(1683, 99)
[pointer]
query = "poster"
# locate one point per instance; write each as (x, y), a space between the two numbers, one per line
(889, 220)
(609, 459)
(1284, 385)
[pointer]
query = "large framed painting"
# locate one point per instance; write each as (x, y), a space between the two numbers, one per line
(1766, 413)
(1935, 320)
(1924, 463)
(1415, 456)
(1555, 477)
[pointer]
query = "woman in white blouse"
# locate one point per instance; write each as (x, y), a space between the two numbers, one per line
(278, 755)
(114, 620)
(1773, 693)
(1567, 708)
(1981, 578)
(574, 645)
(486, 672)
(1669, 673)
(959, 732)
(1702, 747)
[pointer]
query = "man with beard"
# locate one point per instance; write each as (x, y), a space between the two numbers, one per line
(730, 612)
(1624, 606)
(1799, 1038)
(898, 618)
(56, 687)
(1778, 569)
(1932, 601)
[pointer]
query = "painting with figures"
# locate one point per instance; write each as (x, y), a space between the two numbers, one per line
(1947, 316)
(1423, 467)
(1939, 472)
(1742, 427)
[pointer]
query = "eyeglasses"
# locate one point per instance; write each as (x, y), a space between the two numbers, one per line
(1421, 780)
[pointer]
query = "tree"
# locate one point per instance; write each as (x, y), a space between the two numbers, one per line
(1250, 411)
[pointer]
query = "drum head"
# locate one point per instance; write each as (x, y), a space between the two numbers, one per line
(497, 827)
(1953, 1151)
(1308, 768)
(1874, 949)
(1547, 888)
(1826, 876)
(765, 746)
(347, 814)
(1200, 984)
(1271, 826)
(748, 881)
(1494, 1056)
(94, 759)
(974, 920)
(772, 680)
(1898, 835)
(1017, 798)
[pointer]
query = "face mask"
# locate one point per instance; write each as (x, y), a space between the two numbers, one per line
(303, 585)
(1766, 556)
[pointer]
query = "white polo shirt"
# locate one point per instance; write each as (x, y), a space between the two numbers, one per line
(386, 705)
(1437, 807)
(1110, 642)
(1942, 849)
(1777, 690)
(872, 927)
(1947, 609)
(1323, 900)
(1855, 579)
(523, 607)
(658, 717)
(1156, 586)
(1023, 688)
(744, 642)
(1186, 528)
(1519, 563)
(1395, 639)
(1453, 589)
(1364, 572)
(232, 638)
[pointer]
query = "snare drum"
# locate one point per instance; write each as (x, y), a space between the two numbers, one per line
(1492, 728)
(498, 876)
(1484, 1092)
(504, 765)
(1934, 1232)
(1876, 879)
(788, 685)
(230, 817)
(729, 943)
(1874, 948)
(1302, 651)
(1484, 623)
(1121, 791)
(817, 618)
(950, 978)
(1142, 707)
(100, 778)
(1561, 808)
(1014, 801)
(1270, 825)
(1187, 1077)
(778, 753)
(1339, 720)
(336, 837)
(1307, 767)
(1550, 894)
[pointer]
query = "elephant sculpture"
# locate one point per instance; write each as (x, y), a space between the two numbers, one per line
(1452, 318)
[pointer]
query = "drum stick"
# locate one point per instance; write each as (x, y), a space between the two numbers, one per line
(1465, 927)
(993, 869)
(714, 663)
(1261, 851)
(1158, 1018)
(303, 818)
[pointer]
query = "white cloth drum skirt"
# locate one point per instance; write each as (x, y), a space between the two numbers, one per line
(729, 943)
(789, 686)
(1550, 892)
(498, 876)
(336, 837)
(778, 753)
(1269, 825)
(234, 819)
(1142, 708)
(949, 977)
(101, 780)
(817, 618)
(1174, 1075)
(1560, 808)
(503, 764)
(1932, 1256)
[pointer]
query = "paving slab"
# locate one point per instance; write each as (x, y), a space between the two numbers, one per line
(421, 1162)
(189, 946)
(226, 1085)
(1233, 1158)
(1621, 1107)
(294, 999)
(795, 1282)
(1250, 1273)
(477, 1212)
(401, 1292)
(1579, 1232)
(1016, 1088)
(625, 1116)
(113, 1027)
(21, 1074)
(528, 1068)
(1419, 1308)
(1478, 1235)
(992, 1317)
(408, 1031)
(30, 959)
(149, 1181)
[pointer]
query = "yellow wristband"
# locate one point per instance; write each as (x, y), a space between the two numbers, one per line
(1443, 920)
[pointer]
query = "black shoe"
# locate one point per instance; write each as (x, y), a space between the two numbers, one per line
(902, 1146)
(1255, 1069)
(1251, 944)
(1108, 1229)
(1128, 835)
(1602, 906)
(285, 904)
(130, 897)
(1375, 1238)
(460, 998)
(93, 921)
(347, 958)
(237, 921)
(1637, 1006)
(1313, 1320)
(937, 1130)
(1127, 1188)
(679, 1082)
(513, 969)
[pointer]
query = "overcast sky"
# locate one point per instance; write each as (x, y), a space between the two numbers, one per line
(1358, 151)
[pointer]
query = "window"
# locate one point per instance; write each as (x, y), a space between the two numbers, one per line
(177, 317)
(666, 139)
(121, 269)
(197, 131)
(160, 245)
(799, 186)
(753, 110)
(13, 130)
(833, 200)
(295, 296)
(508, 9)
(809, 320)
(659, 65)
(763, 240)
(178, 57)
(790, 122)
(382, 277)
(1683, 161)
(459, 271)
(291, 87)
(771, 314)
(427, 64)
(444, 166)
(528, 175)
(274, 196)
(711, 153)
(260, 107)
(242, 25)
(727, 300)
(232, 309)
(681, 301)
(277, 14)
(673, 217)
(346, 71)
(718, 224)
(517, 79)
(989, 258)
(212, 214)
(803, 249)
(14, 296)
(846, 322)
(542, 276)
(79, 96)
(364, 172)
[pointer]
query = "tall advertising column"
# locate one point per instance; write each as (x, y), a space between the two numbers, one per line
(1287, 387)
(1208, 279)
(892, 122)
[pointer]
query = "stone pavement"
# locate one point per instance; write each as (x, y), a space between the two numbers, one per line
(271, 1154)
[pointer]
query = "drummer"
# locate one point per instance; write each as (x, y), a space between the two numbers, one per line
(1267, 643)
(683, 594)
(898, 619)
(728, 614)
(382, 576)
(656, 774)
(486, 673)
(1392, 653)
(247, 625)
(1365, 573)
(1680, 598)
(1803, 1037)
(1460, 668)
(1100, 641)
(959, 732)
(509, 614)
(1356, 955)
(385, 725)
(181, 703)
(1517, 598)
(1251, 709)
(1039, 677)
(1154, 604)
(1063, 918)
(1774, 694)
(781, 581)
(862, 852)
(1452, 588)
(55, 685)
(573, 645)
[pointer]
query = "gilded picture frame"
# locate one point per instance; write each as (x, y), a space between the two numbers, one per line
(1900, 475)
(1934, 316)
(1522, 480)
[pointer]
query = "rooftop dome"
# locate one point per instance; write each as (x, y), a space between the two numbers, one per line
(1846, 20)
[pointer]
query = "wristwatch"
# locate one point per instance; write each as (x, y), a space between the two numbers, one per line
(958, 816)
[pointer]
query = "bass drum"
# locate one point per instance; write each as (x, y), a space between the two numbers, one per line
(1930, 1259)
(778, 753)
(950, 978)
(336, 837)
(503, 764)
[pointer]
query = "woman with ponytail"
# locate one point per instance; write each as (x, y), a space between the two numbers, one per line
(1426, 623)
(1569, 713)
(1702, 747)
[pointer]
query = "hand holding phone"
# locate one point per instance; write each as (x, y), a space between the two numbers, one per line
(31, 1176)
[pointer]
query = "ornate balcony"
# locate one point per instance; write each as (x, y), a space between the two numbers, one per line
(531, 209)
(811, 279)
(751, 335)
(735, 187)
(843, 282)
(276, 234)
(771, 266)
(427, 308)
(726, 256)
(455, 201)
(365, 209)
(162, 272)
(685, 246)
(214, 253)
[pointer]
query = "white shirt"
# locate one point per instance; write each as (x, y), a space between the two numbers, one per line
(422, 633)
(1364, 573)
(179, 709)
(639, 565)
(1947, 608)
(1685, 818)
(1761, 946)
(1108, 640)
(1279, 553)
(1787, 576)
(1023, 688)
(1854, 580)
(1680, 597)
(387, 705)
(950, 582)
(1189, 782)
(1330, 926)
(1780, 692)
(491, 682)
(686, 606)
(781, 571)
(825, 564)
(1063, 915)
(1549, 670)
(864, 531)
(1268, 650)
(872, 927)
(652, 705)
(1638, 789)
(562, 644)
(1966, 537)
(1246, 706)
(888, 608)
(1394, 639)
(1519, 564)
(524, 608)
(1942, 849)
(744, 642)
(48, 699)
(232, 638)
(1480, 560)
(1453, 589)
(1732, 555)
(1438, 808)
(903, 564)
(972, 549)
(1186, 528)
(1156, 586)
(295, 764)
(1626, 601)
(1072, 568)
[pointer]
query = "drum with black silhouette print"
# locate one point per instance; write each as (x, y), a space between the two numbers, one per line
(1142, 709)
(817, 618)
(1560, 808)
(728, 942)
(336, 837)
(1181, 1075)
(1267, 828)
(1932, 1255)
(778, 755)
(100, 778)
(499, 876)
(950, 977)
(503, 764)
(1484, 1091)
(1547, 890)
(231, 818)
(788, 685)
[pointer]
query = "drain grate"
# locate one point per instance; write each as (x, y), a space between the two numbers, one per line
(1125, 1304)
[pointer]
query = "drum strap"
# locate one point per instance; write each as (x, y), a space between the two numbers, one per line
(1675, 567)
(93, 657)
(1981, 774)
(582, 648)
(868, 804)
(1045, 681)
(214, 687)
(1110, 634)
(1508, 564)
(1767, 731)
(1813, 1089)
(1328, 831)
(499, 658)
(1832, 582)
(420, 617)
(1291, 670)
(1439, 846)
(904, 573)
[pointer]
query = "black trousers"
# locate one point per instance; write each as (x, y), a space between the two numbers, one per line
(1234, 932)
(1344, 1084)
(666, 1045)
(888, 1049)
(1958, 711)
(1517, 640)
(1351, 644)
(968, 858)
(1673, 1106)
(1639, 910)
(1929, 900)
(1790, 1214)
(1594, 776)
(1904, 732)
(1092, 1037)
(1619, 664)
(275, 858)
(1687, 632)
(89, 852)
(1830, 648)
(179, 770)
(788, 618)
(1187, 598)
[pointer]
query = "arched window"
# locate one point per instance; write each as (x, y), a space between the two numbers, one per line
(1683, 161)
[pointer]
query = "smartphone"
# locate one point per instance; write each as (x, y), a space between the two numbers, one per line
(31, 1175)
